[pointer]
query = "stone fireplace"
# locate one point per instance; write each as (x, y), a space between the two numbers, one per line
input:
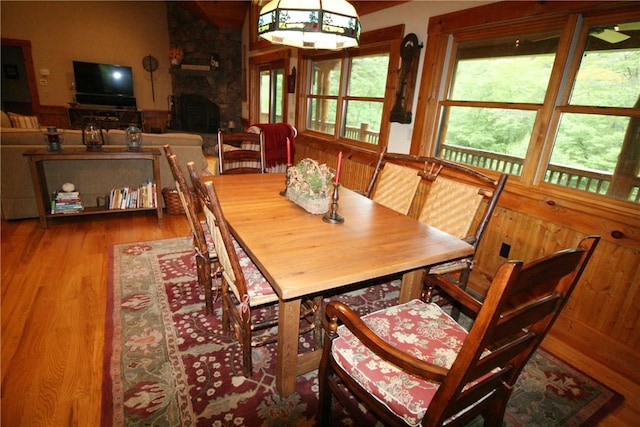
(221, 88)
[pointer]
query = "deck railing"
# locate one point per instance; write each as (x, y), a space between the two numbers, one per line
(361, 133)
(589, 180)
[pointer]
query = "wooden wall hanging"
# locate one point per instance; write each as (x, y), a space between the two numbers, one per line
(409, 52)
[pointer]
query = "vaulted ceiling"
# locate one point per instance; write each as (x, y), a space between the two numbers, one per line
(231, 14)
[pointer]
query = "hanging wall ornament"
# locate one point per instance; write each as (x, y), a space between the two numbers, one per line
(150, 64)
(409, 52)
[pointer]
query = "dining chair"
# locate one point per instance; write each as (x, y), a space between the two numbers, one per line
(461, 202)
(249, 303)
(189, 196)
(453, 198)
(240, 152)
(393, 185)
(205, 254)
(412, 364)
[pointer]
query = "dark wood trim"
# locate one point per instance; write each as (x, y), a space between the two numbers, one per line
(28, 65)
(280, 56)
(53, 115)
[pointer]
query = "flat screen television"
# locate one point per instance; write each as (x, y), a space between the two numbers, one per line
(104, 84)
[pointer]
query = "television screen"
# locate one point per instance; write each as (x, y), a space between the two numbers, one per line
(103, 79)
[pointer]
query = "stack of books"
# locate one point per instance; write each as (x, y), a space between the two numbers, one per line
(131, 198)
(64, 202)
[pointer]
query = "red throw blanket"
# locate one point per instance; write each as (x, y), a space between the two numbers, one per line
(275, 142)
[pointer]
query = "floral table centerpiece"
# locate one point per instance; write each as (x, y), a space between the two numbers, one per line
(309, 186)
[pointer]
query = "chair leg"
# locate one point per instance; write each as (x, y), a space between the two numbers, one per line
(247, 363)
(318, 315)
(324, 390)
(494, 413)
(462, 282)
(226, 322)
(204, 279)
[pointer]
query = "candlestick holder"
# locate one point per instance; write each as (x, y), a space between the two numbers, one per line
(286, 180)
(332, 217)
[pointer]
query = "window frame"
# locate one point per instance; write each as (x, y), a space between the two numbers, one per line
(273, 60)
(387, 40)
(573, 19)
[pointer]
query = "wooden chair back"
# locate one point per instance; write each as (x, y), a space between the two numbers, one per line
(248, 290)
(460, 200)
(221, 236)
(452, 197)
(522, 303)
(393, 185)
(201, 246)
(240, 152)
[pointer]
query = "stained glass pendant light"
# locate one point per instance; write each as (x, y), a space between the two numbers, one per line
(310, 24)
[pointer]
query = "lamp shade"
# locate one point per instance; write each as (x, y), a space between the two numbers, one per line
(310, 24)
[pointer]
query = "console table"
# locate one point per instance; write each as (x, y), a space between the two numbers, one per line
(37, 157)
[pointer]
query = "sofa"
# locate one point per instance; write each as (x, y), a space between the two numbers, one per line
(93, 179)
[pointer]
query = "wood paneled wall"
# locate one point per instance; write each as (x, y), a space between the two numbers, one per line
(51, 115)
(603, 315)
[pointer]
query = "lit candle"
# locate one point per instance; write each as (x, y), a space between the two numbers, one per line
(288, 151)
(337, 180)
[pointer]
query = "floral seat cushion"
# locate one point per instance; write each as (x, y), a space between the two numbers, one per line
(258, 288)
(420, 329)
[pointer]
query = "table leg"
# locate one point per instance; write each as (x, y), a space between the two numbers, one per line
(40, 190)
(411, 285)
(156, 177)
(287, 354)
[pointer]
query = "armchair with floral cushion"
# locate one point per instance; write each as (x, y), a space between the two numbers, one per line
(412, 364)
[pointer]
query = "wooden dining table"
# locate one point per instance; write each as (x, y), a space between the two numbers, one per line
(301, 255)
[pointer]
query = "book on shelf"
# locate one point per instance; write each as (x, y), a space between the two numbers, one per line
(143, 196)
(66, 202)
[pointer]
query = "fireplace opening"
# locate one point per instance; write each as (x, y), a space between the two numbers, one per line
(194, 113)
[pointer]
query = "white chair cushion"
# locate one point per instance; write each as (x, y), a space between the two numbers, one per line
(418, 328)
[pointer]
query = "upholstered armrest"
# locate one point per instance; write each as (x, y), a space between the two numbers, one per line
(453, 290)
(336, 310)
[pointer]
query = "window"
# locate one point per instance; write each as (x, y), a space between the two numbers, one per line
(353, 109)
(553, 101)
(268, 82)
(597, 142)
(497, 87)
(346, 92)
(272, 92)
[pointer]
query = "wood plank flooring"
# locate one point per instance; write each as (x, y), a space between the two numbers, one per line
(53, 313)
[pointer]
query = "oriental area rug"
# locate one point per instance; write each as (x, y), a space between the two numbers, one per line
(168, 364)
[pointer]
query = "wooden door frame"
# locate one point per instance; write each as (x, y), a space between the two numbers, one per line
(255, 62)
(27, 56)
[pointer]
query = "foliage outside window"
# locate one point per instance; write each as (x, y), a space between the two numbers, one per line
(568, 117)
(271, 94)
(346, 96)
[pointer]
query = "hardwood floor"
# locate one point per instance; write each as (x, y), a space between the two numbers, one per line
(53, 313)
